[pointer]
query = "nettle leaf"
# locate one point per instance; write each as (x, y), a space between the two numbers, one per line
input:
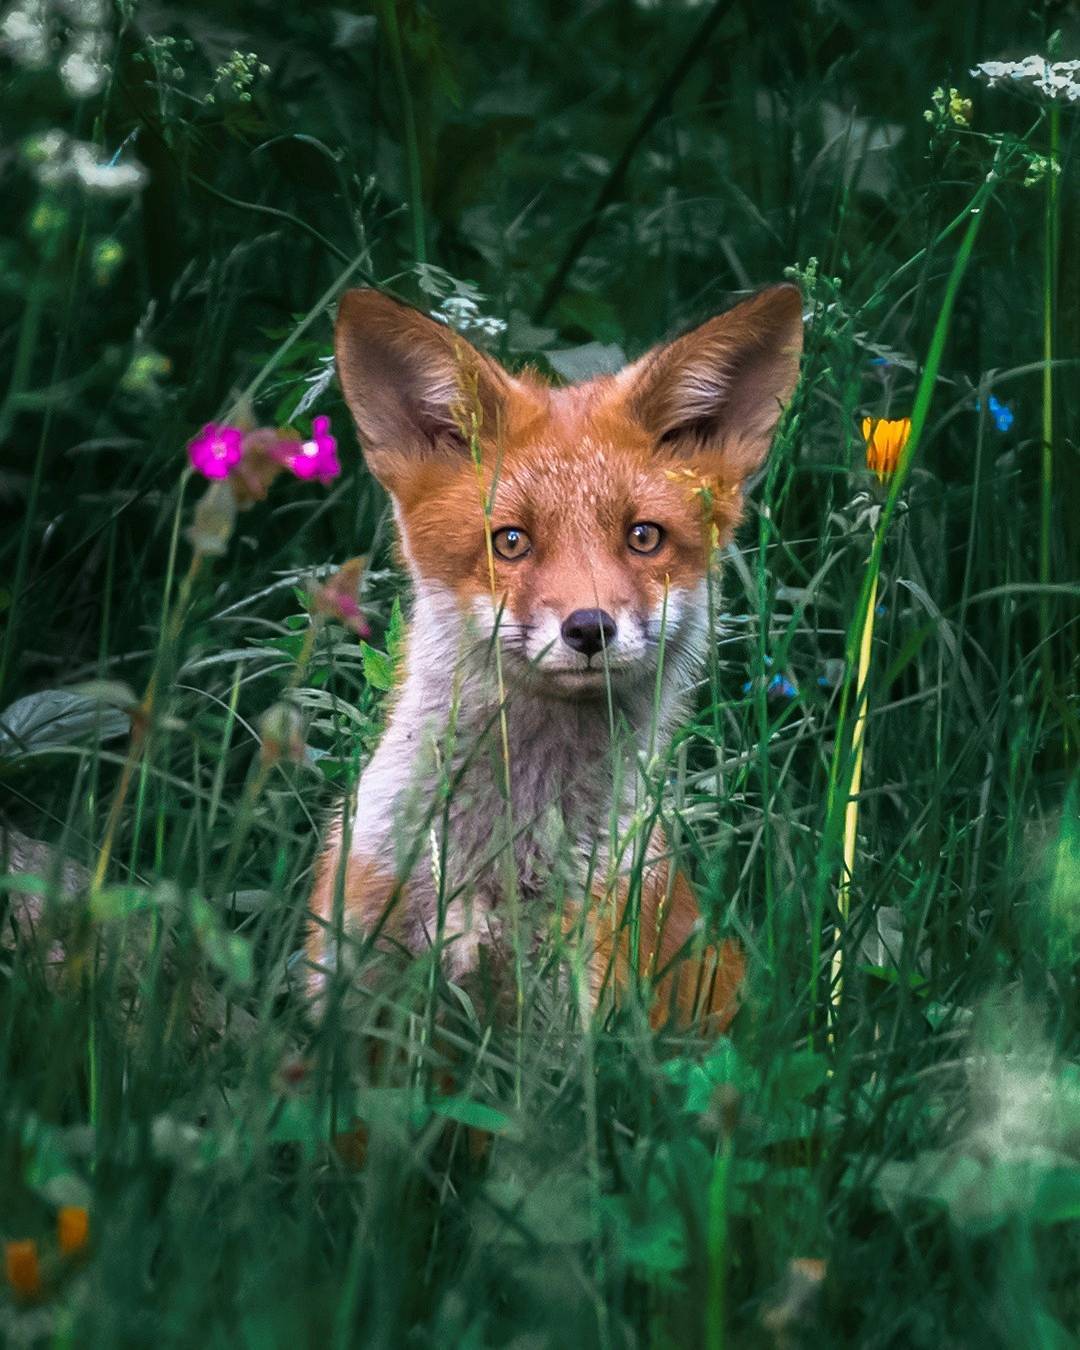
(395, 633)
(53, 718)
(699, 1081)
(654, 1245)
(378, 667)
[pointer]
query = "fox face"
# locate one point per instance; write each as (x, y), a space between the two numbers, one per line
(576, 526)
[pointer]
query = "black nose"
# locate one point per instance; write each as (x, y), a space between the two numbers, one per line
(588, 630)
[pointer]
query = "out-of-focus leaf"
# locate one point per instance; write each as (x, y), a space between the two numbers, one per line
(229, 952)
(1041, 1189)
(57, 717)
(476, 1115)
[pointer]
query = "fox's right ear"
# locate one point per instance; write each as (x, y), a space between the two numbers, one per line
(413, 386)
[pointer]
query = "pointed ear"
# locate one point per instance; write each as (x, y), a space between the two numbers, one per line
(717, 392)
(412, 385)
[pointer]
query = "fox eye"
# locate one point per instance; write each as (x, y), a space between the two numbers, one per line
(511, 543)
(644, 537)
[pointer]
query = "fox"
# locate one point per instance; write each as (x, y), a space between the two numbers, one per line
(560, 542)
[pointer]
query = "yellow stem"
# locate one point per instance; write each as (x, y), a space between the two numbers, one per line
(851, 812)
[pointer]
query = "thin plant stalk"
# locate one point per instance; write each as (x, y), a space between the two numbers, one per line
(1050, 251)
(851, 811)
(716, 1299)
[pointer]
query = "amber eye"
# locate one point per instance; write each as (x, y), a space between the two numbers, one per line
(644, 537)
(511, 543)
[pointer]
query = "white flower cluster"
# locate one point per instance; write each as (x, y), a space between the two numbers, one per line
(58, 159)
(1053, 79)
(29, 34)
(462, 313)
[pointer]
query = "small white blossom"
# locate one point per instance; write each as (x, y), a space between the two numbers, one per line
(463, 313)
(31, 31)
(1053, 79)
(83, 70)
(24, 34)
(57, 159)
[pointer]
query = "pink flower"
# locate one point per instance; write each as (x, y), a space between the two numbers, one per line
(316, 458)
(338, 597)
(216, 449)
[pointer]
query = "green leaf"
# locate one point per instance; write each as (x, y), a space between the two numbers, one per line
(229, 952)
(653, 1245)
(378, 667)
(476, 1115)
(395, 633)
(699, 1081)
(57, 717)
(119, 902)
(291, 645)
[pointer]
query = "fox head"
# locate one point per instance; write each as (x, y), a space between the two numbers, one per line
(578, 523)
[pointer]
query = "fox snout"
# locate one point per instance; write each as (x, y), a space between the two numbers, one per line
(588, 631)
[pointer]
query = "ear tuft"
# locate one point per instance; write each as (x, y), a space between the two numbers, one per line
(412, 385)
(719, 390)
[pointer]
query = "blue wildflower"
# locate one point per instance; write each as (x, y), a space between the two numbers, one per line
(780, 687)
(1000, 412)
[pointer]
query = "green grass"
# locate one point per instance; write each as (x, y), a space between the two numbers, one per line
(919, 1134)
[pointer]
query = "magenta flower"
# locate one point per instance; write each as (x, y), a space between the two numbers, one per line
(316, 458)
(216, 449)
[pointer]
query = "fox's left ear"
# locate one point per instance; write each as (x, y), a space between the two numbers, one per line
(717, 392)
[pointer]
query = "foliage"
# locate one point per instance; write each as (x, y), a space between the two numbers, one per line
(893, 1160)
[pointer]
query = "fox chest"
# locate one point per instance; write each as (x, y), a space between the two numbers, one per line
(480, 824)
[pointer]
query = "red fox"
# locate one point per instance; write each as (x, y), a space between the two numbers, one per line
(560, 542)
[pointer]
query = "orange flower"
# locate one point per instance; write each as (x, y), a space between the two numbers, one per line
(21, 1266)
(885, 440)
(72, 1229)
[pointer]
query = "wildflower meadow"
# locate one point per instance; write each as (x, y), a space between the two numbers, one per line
(204, 620)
